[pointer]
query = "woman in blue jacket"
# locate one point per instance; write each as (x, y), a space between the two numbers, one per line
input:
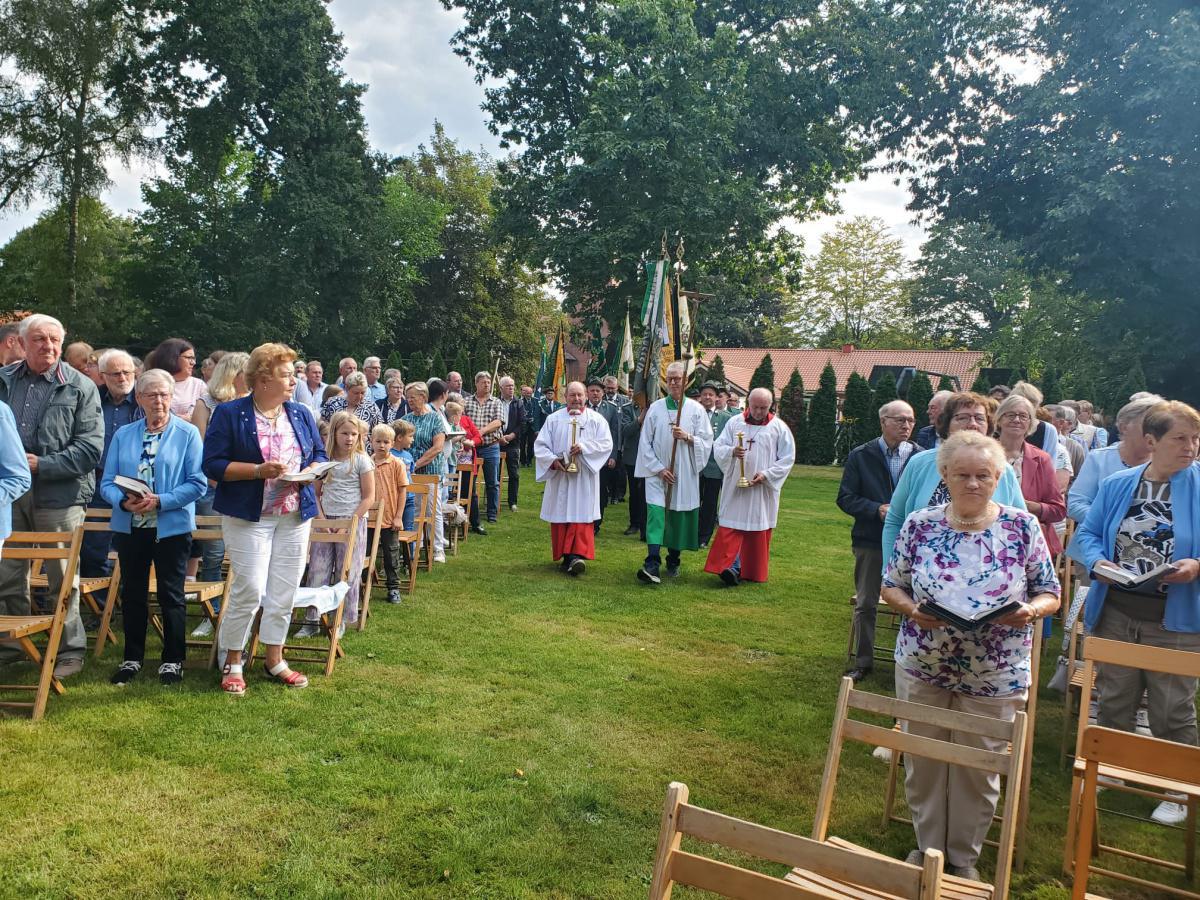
(250, 443)
(1142, 518)
(14, 469)
(163, 451)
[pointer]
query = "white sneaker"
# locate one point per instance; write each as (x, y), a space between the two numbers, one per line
(1169, 812)
(439, 557)
(883, 754)
(204, 629)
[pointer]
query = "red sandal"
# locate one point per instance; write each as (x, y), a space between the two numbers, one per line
(289, 678)
(233, 684)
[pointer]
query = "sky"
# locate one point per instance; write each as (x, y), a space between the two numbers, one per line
(401, 49)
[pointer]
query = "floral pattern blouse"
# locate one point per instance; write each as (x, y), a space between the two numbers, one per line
(1009, 560)
(277, 441)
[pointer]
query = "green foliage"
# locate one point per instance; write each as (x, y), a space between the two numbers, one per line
(716, 370)
(462, 364)
(981, 385)
(885, 392)
(920, 392)
(748, 291)
(857, 414)
(438, 367)
(822, 420)
(394, 361)
(793, 411)
(764, 375)
(945, 383)
(1051, 386)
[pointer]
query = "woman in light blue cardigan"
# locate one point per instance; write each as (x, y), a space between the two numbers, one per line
(14, 469)
(920, 484)
(165, 452)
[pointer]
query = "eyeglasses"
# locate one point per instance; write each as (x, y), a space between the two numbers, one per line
(968, 418)
(156, 396)
(1015, 417)
(904, 420)
(122, 373)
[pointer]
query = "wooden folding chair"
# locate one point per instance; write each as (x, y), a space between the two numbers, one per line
(31, 545)
(323, 531)
(408, 539)
(375, 524)
(1075, 693)
(1132, 781)
(890, 814)
(465, 502)
(818, 869)
(1152, 760)
(424, 519)
(1006, 763)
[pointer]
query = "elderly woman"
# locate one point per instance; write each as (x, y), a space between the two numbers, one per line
(429, 443)
(178, 357)
(393, 406)
(154, 529)
(1132, 450)
(1143, 518)
(250, 443)
(357, 400)
(1043, 435)
(968, 554)
(921, 484)
(1016, 419)
(15, 477)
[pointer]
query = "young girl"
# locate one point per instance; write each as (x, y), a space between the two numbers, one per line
(391, 481)
(346, 492)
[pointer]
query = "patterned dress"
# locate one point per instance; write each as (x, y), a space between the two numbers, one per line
(934, 561)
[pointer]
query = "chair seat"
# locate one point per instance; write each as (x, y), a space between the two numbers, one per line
(407, 537)
(828, 887)
(953, 887)
(1141, 778)
(204, 590)
(86, 585)
(13, 627)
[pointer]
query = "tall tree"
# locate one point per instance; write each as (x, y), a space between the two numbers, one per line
(793, 411)
(822, 420)
(748, 289)
(716, 370)
(920, 392)
(884, 393)
(66, 107)
(857, 413)
(437, 366)
(764, 375)
(980, 385)
(854, 289)
(462, 363)
(1051, 386)
(713, 120)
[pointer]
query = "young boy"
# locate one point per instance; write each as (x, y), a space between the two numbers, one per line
(404, 438)
(391, 483)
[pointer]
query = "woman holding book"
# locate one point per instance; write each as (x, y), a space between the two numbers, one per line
(258, 449)
(1143, 529)
(985, 567)
(152, 478)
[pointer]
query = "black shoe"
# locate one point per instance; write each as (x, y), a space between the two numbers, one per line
(170, 673)
(128, 671)
(577, 567)
(595, 528)
(730, 577)
(649, 575)
(478, 529)
(672, 571)
(632, 529)
(856, 674)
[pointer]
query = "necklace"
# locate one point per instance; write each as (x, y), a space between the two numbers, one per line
(268, 416)
(965, 524)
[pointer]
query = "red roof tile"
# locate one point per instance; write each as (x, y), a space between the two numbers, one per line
(740, 364)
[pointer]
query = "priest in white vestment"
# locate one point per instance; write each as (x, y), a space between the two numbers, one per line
(571, 502)
(675, 524)
(748, 515)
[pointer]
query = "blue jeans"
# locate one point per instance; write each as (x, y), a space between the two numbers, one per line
(491, 477)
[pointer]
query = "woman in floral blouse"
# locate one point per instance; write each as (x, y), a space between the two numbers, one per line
(969, 555)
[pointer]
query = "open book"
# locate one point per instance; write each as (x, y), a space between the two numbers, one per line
(134, 488)
(1122, 578)
(963, 617)
(317, 471)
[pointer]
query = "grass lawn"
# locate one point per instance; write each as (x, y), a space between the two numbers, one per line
(507, 732)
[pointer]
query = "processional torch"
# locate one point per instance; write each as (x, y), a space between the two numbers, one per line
(572, 466)
(743, 482)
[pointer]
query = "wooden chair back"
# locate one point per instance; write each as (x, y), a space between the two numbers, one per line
(375, 523)
(1007, 763)
(820, 862)
(424, 520)
(40, 546)
(1152, 759)
(411, 541)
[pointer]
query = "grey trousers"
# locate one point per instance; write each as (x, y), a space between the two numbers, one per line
(1171, 698)
(14, 573)
(952, 806)
(868, 575)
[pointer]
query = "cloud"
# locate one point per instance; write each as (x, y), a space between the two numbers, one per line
(876, 195)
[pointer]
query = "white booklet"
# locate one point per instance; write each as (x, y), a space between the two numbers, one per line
(317, 471)
(1122, 578)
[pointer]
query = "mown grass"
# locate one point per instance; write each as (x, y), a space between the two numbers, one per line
(507, 732)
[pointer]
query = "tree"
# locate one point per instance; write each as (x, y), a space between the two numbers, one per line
(716, 370)
(920, 392)
(764, 375)
(854, 289)
(981, 385)
(462, 363)
(946, 384)
(66, 108)
(822, 420)
(884, 393)
(713, 120)
(748, 290)
(437, 366)
(792, 410)
(1051, 387)
(857, 414)
(395, 361)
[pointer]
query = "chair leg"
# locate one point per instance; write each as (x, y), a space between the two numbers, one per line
(1189, 840)
(1076, 796)
(889, 798)
(105, 633)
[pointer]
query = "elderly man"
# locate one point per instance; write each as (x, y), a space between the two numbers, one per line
(1064, 420)
(572, 436)
(373, 368)
(58, 416)
(454, 383)
(10, 344)
(346, 367)
(310, 390)
(611, 413)
(869, 477)
(927, 438)
(758, 445)
(485, 411)
(614, 396)
(670, 457)
(510, 437)
(528, 432)
(77, 355)
(711, 476)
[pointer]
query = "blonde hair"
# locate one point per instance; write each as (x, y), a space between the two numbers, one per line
(221, 385)
(330, 392)
(383, 432)
(265, 359)
(403, 429)
(971, 440)
(453, 408)
(340, 420)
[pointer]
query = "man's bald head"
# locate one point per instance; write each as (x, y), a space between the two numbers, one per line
(576, 395)
(758, 404)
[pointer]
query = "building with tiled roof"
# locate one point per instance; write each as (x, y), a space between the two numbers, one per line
(740, 363)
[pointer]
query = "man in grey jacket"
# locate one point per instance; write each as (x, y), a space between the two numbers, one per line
(57, 411)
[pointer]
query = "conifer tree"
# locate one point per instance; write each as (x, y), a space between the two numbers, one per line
(920, 392)
(716, 370)
(437, 365)
(885, 392)
(764, 375)
(945, 383)
(822, 420)
(981, 385)
(792, 411)
(857, 414)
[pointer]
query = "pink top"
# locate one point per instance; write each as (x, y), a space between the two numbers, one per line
(187, 392)
(278, 443)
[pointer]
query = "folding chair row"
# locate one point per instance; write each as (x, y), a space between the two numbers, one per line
(96, 593)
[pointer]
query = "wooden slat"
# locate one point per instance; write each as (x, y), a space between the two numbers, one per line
(952, 887)
(1141, 656)
(887, 875)
(1127, 750)
(815, 881)
(987, 726)
(12, 627)
(16, 552)
(740, 884)
(928, 748)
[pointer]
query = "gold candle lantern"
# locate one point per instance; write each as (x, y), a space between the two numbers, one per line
(743, 482)
(572, 466)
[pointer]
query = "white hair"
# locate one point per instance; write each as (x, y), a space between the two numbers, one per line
(152, 375)
(678, 367)
(1136, 409)
(1064, 413)
(766, 392)
(1015, 399)
(971, 440)
(941, 397)
(487, 375)
(371, 360)
(110, 356)
(893, 406)
(40, 320)
(506, 379)
(355, 379)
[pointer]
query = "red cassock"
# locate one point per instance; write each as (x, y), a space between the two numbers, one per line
(754, 547)
(576, 538)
